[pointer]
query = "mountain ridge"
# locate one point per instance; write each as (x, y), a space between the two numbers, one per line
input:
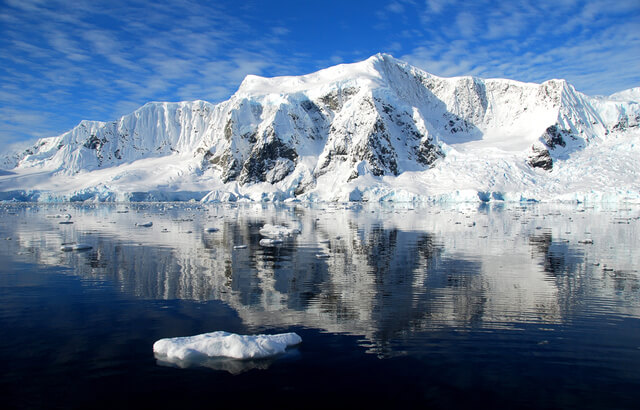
(348, 132)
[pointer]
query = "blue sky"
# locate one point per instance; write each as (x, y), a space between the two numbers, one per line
(64, 61)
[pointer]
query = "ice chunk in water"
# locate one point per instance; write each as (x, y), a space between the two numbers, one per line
(277, 231)
(224, 344)
(270, 242)
(56, 216)
(75, 247)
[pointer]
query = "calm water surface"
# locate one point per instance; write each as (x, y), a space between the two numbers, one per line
(442, 307)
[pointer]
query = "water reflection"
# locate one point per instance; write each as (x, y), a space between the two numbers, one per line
(232, 366)
(381, 272)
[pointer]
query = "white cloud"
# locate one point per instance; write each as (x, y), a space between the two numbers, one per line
(395, 7)
(592, 45)
(336, 59)
(436, 6)
(99, 58)
(466, 24)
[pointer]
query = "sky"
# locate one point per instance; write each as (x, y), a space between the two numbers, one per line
(65, 61)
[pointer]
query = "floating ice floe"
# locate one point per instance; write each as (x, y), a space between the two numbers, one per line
(270, 242)
(75, 247)
(144, 224)
(56, 216)
(224, 344)
(277, 231)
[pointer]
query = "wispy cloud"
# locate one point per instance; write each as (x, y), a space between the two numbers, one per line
(100, 58)
(436, 6)
(395, 7)
(593, 44)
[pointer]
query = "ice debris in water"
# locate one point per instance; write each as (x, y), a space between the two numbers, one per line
(145, 224)
(75, 247)
(224, 344)
(277, 231)
(56, 216)
(270, 242)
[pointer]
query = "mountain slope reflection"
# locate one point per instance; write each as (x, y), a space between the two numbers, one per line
(385, 272)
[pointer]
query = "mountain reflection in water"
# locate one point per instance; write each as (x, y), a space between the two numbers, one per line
(376, 271)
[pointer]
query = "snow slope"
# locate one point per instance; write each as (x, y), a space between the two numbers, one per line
(632, 94)
(375, 130)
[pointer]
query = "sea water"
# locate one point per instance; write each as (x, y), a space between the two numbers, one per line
(503, 305)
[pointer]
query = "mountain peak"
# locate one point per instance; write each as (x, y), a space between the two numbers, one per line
(369, 71)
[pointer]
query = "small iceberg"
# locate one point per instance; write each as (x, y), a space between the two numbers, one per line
(145, 224)
(277, 231)
(75, 247)
(225, 345)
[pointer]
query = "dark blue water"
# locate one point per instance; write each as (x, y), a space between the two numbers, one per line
(442, 307)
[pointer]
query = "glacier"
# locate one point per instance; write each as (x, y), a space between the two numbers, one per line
(375, 130)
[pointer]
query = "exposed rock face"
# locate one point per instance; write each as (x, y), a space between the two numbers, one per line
(554, 136)
(270, 161)
(540, 158)
(627, 122)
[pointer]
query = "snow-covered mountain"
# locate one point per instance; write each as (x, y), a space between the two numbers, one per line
(632, 94)
(379, 129)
